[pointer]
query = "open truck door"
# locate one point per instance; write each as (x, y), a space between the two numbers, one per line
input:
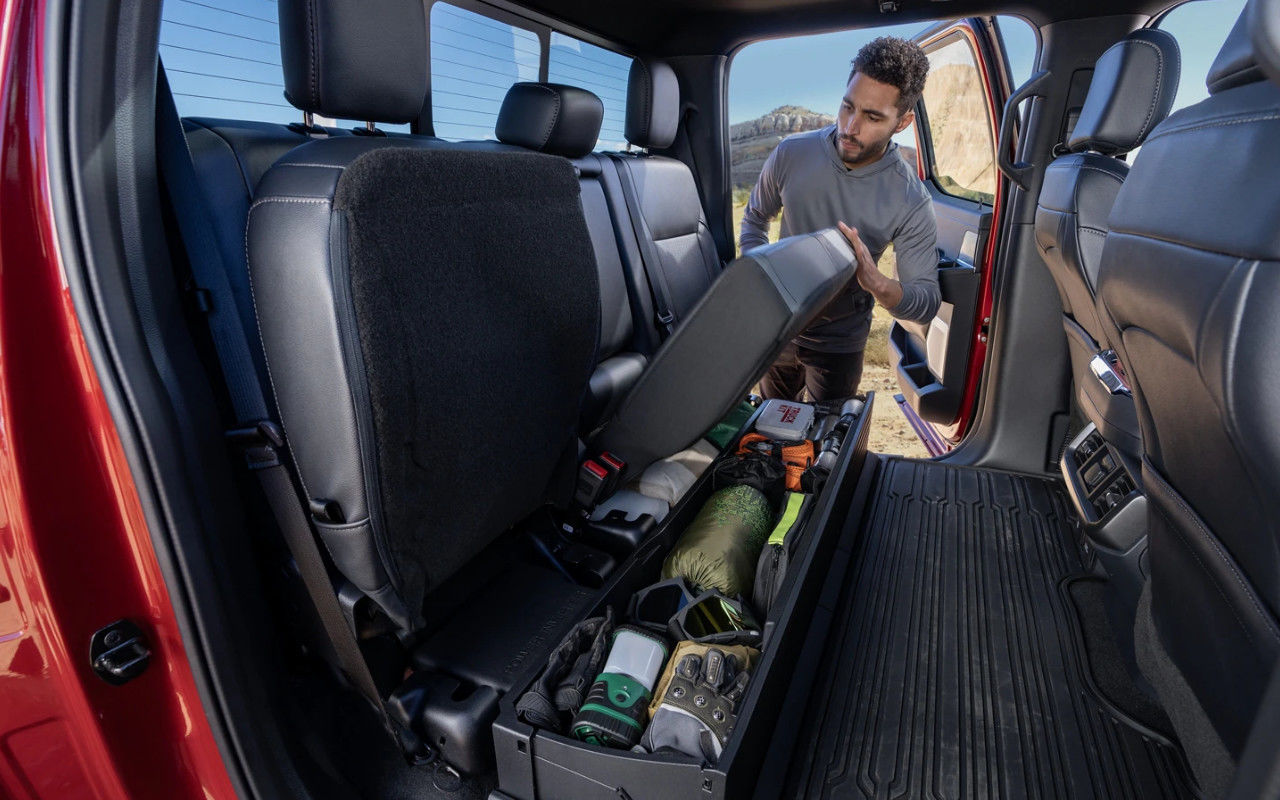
(937, 364)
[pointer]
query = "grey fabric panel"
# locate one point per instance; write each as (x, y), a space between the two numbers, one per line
(476, 302)
(653, 104)
(1236, 64)
(1132, 90)
(355, 59)
(550, 118)
(754, 308)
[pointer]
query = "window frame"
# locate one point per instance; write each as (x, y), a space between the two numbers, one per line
(924, 133)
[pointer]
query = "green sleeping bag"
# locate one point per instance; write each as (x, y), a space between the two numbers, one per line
(720, 548)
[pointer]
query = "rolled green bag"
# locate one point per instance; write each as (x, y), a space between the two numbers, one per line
(720, 548)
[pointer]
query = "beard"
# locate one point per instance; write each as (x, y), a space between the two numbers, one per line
(854, 152)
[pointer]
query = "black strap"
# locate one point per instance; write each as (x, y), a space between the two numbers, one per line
(261, 441)
(208, 263)
(653, 267)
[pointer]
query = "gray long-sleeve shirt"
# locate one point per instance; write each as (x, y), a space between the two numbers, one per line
(884, 200)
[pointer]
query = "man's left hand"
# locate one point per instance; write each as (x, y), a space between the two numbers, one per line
(886, 290)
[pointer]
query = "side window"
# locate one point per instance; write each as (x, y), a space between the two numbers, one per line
(959, 122)
(474, 60)
(1020, 47)
(1200, 29)
(597, 70)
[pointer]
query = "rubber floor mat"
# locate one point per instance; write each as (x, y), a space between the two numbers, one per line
(954, 668)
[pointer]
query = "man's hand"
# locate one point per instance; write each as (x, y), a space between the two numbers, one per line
(886, 290)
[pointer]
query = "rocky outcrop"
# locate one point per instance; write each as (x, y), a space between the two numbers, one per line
(751, 142)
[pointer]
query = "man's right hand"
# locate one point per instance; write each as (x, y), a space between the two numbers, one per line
(884, 289)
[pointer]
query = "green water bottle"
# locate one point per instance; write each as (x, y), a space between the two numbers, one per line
(617, 706)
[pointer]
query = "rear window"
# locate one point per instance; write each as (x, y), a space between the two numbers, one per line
(597, 70)
(474, 60)
(223, 60)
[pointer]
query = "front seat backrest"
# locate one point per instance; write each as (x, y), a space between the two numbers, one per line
(429, 316)
(1189, 290)
(1133, 86)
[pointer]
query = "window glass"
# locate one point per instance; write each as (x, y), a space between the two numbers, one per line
(222, 58)
(474, 60)
(1200, 28)
(1020, 47)
(959, 122)
(597, 70)
(780, 87)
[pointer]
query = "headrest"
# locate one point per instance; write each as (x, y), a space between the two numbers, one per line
(1133, 86)
(1265, 23)
(653, 104)
(550, 118)
(355, 59)
(1235, 64)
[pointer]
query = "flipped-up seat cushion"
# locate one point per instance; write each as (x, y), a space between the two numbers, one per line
(430, 322)
(757, 305)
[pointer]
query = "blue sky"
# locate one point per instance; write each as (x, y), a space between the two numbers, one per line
(811, 71)
(223, 60)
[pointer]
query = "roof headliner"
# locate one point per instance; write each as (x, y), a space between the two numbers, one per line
(671, 27)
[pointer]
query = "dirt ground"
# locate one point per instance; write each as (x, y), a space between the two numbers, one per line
(890, 431)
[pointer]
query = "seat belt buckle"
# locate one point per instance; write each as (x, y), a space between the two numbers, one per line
(593, 479)
(258, 443)
(616, 467)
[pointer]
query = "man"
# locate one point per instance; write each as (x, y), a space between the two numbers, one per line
(850, 175)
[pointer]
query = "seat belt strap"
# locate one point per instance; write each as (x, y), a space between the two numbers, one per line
(207, 261)
(653, 267)
(261, 441)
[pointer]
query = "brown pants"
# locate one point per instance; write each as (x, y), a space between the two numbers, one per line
(827, 376)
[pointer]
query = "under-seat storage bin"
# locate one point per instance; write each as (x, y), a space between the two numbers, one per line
(536, 763)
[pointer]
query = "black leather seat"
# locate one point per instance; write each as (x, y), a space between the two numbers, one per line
(565, 120)
(1133, 87)
(429, 315)
(662, 199)
(1189, 290)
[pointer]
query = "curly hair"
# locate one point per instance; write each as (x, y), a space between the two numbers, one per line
(897, 62)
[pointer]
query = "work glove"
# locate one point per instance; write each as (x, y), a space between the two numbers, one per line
(698, 710)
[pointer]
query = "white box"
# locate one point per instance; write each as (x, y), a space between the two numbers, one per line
(785, 420)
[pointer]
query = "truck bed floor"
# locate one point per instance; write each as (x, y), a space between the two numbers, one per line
(954, 667)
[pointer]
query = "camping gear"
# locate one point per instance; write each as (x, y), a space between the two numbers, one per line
(699, 706)
(653, 606)
(618, 705)
(668, 480)
(784, 420)
(557, 694)
(720, 547)
(772, 567)
(796, 457)
(713, 618)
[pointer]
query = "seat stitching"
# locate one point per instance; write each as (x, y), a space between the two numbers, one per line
(1220, 124)
(1227, 561)
(311, 201)
(1087, 229)
(305, 164)
(1151, 109)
